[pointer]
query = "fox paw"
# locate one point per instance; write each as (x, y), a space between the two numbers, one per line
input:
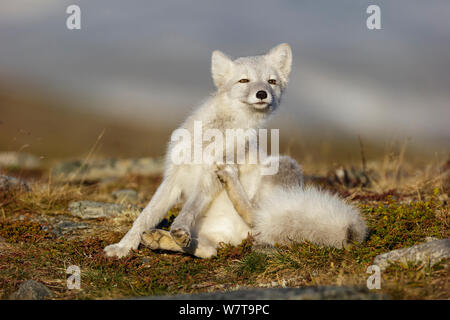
(152, 239)
(116, 250)
(227, 173)
(181, 236)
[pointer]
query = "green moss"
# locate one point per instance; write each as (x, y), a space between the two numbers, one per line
(226, 251)
(22, 231)
(394, 225)
(252, 264)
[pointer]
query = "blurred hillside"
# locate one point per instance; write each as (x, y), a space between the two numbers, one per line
(53, 127)
(50, 127)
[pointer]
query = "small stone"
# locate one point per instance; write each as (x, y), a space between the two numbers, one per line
(349, 177)
(100, 170)
(265, 249)
(10, 183)
(32, 290)
(126, 195)
(20, 160)
(93, 210)
(70, 225)
(432, 252)
(65, 227)
(109, 180)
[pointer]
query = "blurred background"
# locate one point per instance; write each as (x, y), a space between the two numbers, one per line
(137, 68)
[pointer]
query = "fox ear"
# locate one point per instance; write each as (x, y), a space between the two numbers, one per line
(281, 57)
(220, 67)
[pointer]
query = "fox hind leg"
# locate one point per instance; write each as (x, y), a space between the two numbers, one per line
(157, 239)
(160, 239)
(194, 207)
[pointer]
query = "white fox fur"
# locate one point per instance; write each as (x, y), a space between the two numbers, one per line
(285, 213)
(307, 214)
(284, 210)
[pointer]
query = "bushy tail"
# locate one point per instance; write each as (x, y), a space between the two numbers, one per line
(308, 214)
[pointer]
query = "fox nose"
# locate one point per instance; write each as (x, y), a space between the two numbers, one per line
(261, 94)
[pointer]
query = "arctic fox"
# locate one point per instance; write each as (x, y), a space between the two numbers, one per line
(224, 203)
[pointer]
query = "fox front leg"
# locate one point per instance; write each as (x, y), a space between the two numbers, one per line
(164, 198)
(229, 177)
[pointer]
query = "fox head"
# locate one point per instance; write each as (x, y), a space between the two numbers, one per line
(256, 82)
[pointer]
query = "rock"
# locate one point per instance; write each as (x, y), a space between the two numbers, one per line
(126, 195)
(432, 252)
(108, 168)
(349, 177)
(265, 249)
(67, 227)
(92, 209)
(20, 160)
(10, 183)
(109, 180)
(32, 290)
(429, 239)
(303, 293)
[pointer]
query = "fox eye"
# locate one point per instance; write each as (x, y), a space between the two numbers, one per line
(244, 81)
(272, 81)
